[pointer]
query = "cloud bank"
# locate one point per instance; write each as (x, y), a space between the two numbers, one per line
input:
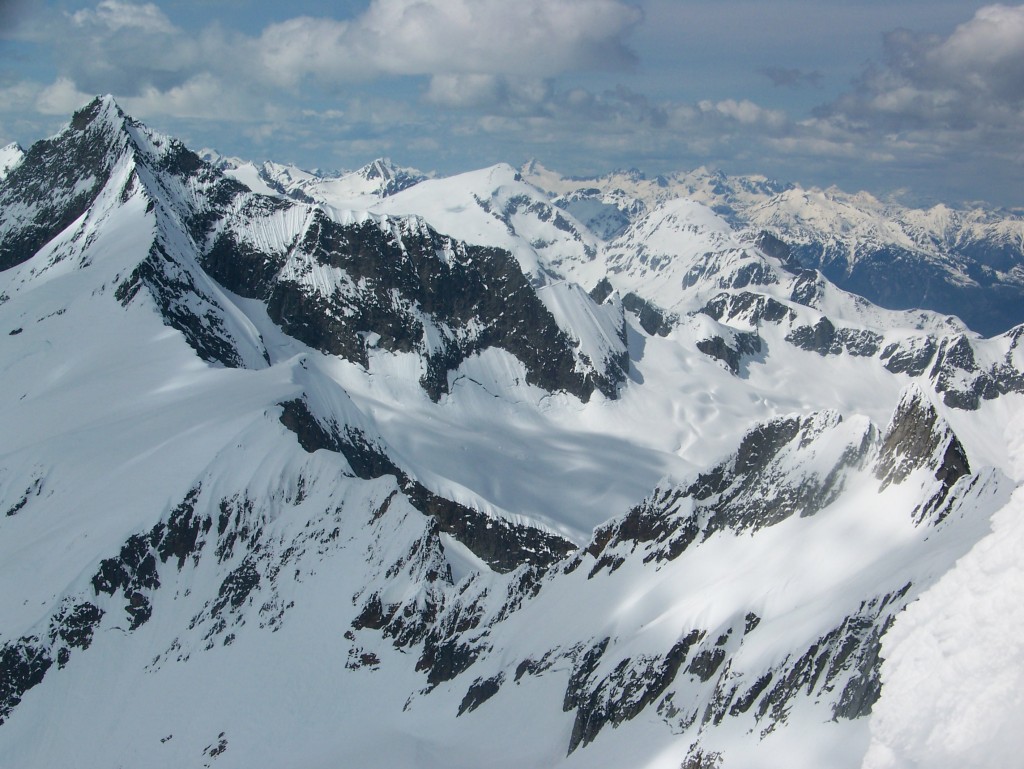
(559, 79)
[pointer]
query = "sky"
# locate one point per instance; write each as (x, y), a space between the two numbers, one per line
(918, 100)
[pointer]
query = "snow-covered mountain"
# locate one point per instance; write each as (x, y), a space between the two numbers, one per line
(438, 474)
(10, 156)
(968, 263)
(341, 189)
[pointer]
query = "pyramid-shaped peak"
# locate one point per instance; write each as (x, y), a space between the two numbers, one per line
(381, 168)
(389, 177)
(102, 109)
(919, 436)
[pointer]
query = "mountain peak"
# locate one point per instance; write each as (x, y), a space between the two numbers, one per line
(389, 177)
(381, 168)
(918, 436)
(102, 109)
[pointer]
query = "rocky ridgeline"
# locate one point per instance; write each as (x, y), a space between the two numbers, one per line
(392, 284)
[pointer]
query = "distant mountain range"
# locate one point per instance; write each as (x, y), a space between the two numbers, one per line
(968, 263)
(501, 469)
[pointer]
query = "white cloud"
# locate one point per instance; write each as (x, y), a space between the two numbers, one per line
(971, 80)
(491, 93)
(204, 97)
(117, 15)
(465, 90)
(61, 98)
(476, 51)
(746, 113)
(986, 53)
(447, 37)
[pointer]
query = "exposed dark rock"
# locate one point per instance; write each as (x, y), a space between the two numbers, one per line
(718, 348)
(601, 291)
(585, 664)
(742, 703)
(478, 295)
(753, 308)
(710, 269)
(34, 490)
(911, 358)
(662, 519)
(234, 526)
(899, 279)
(445, 660)
(535, 667)
(241, 267)
(847, 655)
(698, 759)
(138, 609)
(501, 544)
(748, 491)
(481, 690)
(133, 569)
(807, 288)
(652, 319)
(73, 626)
(237, 586)
(179, 538)
(918, 437)
(705, 664)
(632, 686)
(177, 295)
(57, 180)
(23, 664)
(773, 246)
(825, 339)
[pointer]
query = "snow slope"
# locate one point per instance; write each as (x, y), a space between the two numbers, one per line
(291, 484)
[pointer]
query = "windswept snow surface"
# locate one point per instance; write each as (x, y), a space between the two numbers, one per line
(953, 675)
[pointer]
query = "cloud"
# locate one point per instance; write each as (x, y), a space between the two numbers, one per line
(475, 52)
(745, 112)
(133, 45)
(121, 47)
(60, 98)
(116, 15)
(494, 93)
(971, 81)
(537, 38)
(204, 97)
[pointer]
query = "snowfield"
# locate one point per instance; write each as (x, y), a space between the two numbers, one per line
(424, 473)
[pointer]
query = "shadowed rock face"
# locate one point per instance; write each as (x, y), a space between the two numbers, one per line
(56, 182)
(395, 283)
(898, 279)
(695, 683)
(918, 438)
